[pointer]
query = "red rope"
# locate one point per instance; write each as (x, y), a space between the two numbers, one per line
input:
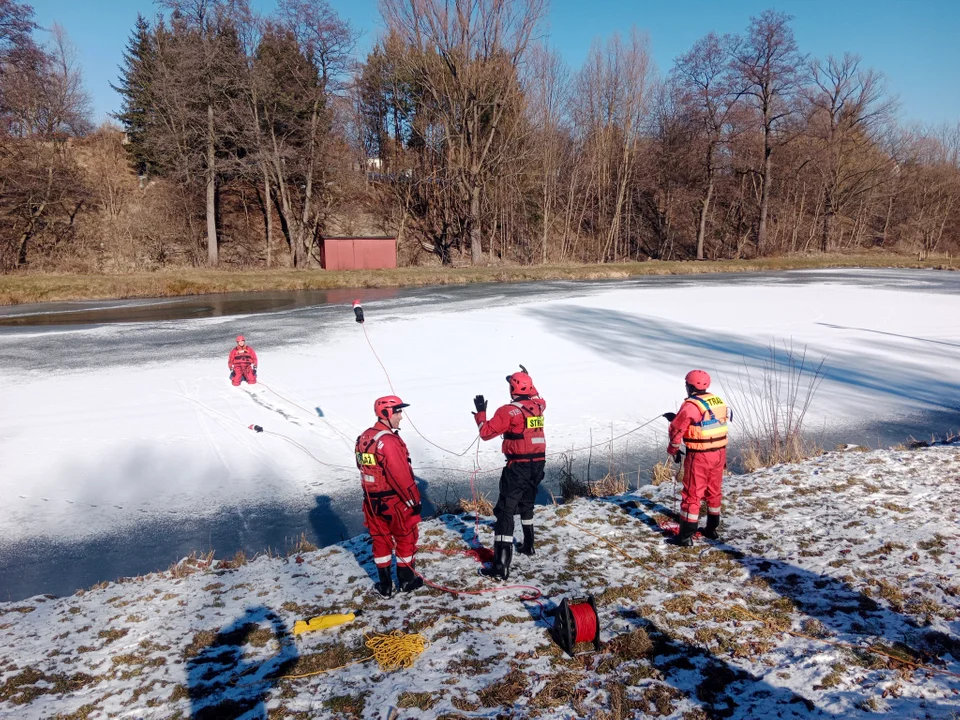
(536, 591)
(585, 622)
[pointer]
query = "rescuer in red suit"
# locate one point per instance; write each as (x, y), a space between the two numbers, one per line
(242, 363)
(391, 499)
(525, 446)
(701, 424)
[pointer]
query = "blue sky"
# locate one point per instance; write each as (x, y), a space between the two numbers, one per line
(915, 43)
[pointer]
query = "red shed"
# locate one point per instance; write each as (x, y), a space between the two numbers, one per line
(358, 253)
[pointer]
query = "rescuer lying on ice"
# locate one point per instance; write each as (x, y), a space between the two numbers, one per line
(242, 363)
(391, 499)
(525, 447)
(701, 424)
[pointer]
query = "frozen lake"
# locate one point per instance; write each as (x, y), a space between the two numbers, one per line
(123, 445)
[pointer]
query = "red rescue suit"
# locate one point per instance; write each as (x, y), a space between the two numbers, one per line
(243, 365)
(701, 424)
(525, 447)
(391, 499)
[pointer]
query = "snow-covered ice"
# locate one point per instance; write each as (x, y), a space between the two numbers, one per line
(121, 440)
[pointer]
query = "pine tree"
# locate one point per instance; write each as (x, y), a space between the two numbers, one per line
(136, 116)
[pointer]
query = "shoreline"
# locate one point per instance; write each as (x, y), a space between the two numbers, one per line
(28, 288)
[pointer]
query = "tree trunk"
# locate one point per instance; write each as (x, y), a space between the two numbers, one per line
(764, 192)
(827, 227)
(212, 255)
(476, 249)
(704, 209)
(268, 215)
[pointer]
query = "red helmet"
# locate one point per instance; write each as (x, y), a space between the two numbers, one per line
(521, 383)
(698, 379)
(386, 406)
(240, 338)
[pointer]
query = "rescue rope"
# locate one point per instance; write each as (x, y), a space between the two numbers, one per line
(584, 621)
(392, 651)
(751, 616)
(537, 592)
(309, 412)
(410, 419)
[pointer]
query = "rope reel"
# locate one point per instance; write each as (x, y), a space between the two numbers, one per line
(576, 622)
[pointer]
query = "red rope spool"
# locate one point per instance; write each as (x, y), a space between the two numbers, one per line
(576, 622)
(584, 622)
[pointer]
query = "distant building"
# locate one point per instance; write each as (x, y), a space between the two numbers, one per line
(358, 253)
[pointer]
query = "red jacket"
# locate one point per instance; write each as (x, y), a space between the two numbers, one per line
(521, 424)
(384, 464)
(242, 356)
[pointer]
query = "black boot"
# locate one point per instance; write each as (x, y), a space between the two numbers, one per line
(502, 557)
(527, 547)
(710, 531)
(684, 537)
(385, 586)
(407, 579)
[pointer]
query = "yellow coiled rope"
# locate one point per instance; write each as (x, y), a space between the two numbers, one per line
(392, 651)
(397, 650)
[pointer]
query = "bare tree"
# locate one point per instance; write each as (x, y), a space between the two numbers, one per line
(768, 63)
(463, 64)
(848, 107)
(711, 95)
(547, 96)
(613, 93)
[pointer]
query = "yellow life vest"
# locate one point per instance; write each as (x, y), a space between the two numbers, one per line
(711, 432)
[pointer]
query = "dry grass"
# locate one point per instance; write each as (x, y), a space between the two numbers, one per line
(631, 646)
(300, 545)
(194, 562)
(772, 403)
(480, 506)
(663, 472)
(506, 691)
(27, 287)
(609, 484)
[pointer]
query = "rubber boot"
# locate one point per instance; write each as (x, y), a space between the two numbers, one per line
(506, 558)
(527, 547)
(407, 579)
(710, 531)
(684, 537)
(502, 557)
(385, 586)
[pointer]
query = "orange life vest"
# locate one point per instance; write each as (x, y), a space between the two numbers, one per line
(711, 432)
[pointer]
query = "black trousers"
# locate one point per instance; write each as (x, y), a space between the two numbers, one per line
(518, 493)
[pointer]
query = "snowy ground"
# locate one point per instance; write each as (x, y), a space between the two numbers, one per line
(124, 446)
(823, 564)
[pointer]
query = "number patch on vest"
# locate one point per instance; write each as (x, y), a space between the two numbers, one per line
(366, 459)
(535, 422)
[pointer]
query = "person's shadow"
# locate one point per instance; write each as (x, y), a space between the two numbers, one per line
(327, 526)
(224, 683)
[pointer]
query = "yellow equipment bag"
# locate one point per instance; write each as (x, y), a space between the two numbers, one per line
(322, 622)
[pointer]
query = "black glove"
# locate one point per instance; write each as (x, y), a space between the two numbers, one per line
(416, 509)
(479, 403)
(257, 428)
(678, 456)
(669, 416)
